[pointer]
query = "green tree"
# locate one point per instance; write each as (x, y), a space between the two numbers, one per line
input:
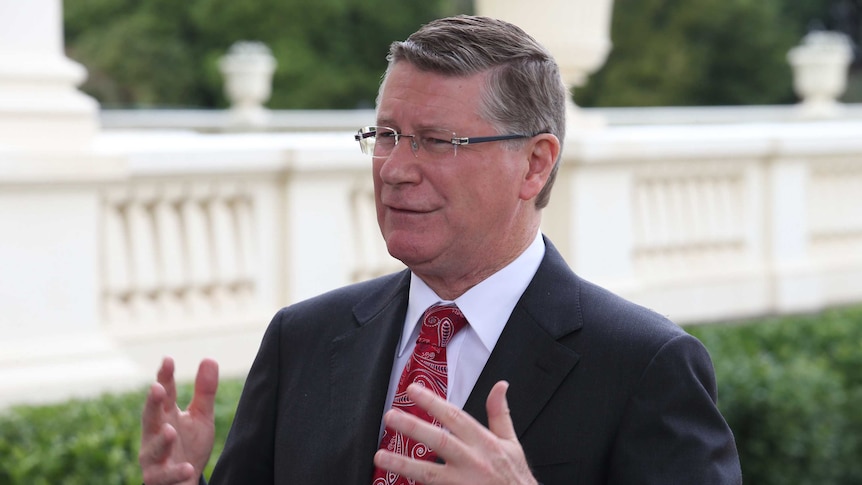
(330, 53)
(701, 52)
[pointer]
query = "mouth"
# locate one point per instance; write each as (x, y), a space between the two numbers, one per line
(404, 207)
(404, 210)
(401, 209)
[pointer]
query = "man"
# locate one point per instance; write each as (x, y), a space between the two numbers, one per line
(551, 379)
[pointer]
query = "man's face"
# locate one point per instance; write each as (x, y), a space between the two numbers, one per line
(446, 217)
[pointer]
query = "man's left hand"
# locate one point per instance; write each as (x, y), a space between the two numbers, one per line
(472, 453)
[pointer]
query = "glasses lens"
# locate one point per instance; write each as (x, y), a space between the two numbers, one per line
(386, 139)
(436, 142)
(377, 141)
(365, 136)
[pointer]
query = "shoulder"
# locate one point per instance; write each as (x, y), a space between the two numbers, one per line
(600, 325)
(565, 302)
(349, 303)
(620, 316)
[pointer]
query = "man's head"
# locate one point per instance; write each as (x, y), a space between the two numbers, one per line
(454, 201)
(525, 93)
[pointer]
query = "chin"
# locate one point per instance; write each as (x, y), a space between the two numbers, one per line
(406, 250)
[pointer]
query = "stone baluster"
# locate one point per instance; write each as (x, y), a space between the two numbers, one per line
(225, 250)
(198, 246)
(169, 227)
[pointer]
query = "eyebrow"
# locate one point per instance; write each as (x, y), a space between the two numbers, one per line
(384, 122)
(421, 127)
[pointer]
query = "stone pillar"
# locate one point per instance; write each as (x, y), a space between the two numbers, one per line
(52, 341)
(40, 107)
(577, 32)
(795, 285)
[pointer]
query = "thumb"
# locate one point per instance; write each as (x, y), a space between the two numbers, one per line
(499, 420)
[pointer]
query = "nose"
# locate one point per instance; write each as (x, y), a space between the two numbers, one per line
(413, 144)
(398, 168)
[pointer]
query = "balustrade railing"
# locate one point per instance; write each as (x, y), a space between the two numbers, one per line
(178, 251)
(202, 237)
(688, 217)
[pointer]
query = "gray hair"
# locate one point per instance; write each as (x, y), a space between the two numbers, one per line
(525, 91)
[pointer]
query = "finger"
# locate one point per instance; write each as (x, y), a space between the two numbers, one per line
(206, 385)
(166, 379)
(421, 471)
(499, 419)
(169, 474)
(151, 417)
(437, 438)
(458, 422)
(158, 447)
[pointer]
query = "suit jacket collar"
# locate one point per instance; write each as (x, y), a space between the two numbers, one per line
(528, 354)
(361, 361)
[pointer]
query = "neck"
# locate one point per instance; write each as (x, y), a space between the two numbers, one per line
(449, 285)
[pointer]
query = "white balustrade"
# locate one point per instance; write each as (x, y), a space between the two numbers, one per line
(205, 236)
(716, 221)
(180, 251)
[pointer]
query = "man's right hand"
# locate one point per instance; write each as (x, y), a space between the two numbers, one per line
(176, 444)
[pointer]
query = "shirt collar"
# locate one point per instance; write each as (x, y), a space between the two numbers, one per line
(488, 305)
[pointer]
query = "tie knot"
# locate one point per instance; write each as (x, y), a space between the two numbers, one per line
(440, 323)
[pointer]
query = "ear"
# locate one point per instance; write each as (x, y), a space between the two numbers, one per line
(543, 152)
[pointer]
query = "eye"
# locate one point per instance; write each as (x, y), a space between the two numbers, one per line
(436, 141)
(430, 140)
(386, 137)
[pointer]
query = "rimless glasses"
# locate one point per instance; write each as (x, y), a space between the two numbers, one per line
(379, 141)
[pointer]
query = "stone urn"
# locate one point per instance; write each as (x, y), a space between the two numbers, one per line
(577, 32)
(820, 67)
(247, 69)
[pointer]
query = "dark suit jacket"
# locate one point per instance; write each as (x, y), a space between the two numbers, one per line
(602, 391)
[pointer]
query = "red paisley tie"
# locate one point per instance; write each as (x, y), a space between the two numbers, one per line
(427, 366)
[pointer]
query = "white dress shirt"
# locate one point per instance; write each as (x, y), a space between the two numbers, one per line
(487, 307)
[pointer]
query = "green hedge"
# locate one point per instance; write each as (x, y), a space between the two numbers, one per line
(89, 441)
(790, 388)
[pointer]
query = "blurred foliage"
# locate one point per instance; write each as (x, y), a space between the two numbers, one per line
(790, 389)
(164, 53)
(331, 53)
(83, 442)
(705, 52)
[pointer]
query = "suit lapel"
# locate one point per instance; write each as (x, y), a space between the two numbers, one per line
(528, 354)
(360, 365)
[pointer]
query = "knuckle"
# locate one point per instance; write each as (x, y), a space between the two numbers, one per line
(430, 476)
(453, 414)
(443, 440)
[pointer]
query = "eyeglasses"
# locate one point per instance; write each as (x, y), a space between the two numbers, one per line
(379, 141)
